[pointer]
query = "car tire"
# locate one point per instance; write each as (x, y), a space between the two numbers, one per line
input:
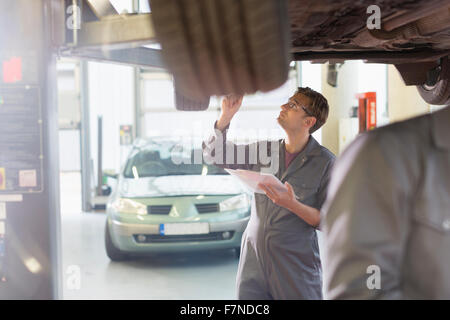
(439, 92)
(183, 103)
(222, 47)
(112, 252)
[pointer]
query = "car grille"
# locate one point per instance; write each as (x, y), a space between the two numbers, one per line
(207, 207)
(164, 209)
(156, 238)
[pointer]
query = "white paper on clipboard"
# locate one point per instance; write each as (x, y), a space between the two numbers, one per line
(252, 178)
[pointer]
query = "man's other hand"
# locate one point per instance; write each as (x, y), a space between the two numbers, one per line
(285, 199)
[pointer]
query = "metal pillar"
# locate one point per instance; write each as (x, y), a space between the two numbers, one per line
(85, 145)
(99, 155)
(29, 156)
(138, 116)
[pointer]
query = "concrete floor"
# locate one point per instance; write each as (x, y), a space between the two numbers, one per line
(89, 274)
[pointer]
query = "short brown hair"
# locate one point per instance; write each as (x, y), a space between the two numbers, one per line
(318, 106)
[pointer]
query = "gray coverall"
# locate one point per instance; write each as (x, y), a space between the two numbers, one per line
(279, 253)
(388, 208)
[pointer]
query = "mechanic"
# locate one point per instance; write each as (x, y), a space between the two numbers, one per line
(279, 252)
(386, 220)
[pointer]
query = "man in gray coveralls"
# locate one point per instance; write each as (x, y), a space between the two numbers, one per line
(279, 253)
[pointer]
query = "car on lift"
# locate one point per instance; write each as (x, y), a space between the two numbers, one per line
(167, 199)
(243, 46)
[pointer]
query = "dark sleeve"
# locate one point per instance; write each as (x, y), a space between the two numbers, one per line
(217, 150)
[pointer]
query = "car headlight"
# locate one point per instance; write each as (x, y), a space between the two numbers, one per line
(129, 206)
(238, 202)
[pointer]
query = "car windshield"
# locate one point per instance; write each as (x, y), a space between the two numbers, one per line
(168, 159)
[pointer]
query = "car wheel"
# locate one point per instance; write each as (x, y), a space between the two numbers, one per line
(222, 47)
(186, 104)
(437, 89)
(113, 253)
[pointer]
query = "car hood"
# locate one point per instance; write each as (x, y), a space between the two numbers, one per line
(180, 186)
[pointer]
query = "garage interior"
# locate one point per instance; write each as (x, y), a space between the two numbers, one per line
(95, 106)
(188, 276)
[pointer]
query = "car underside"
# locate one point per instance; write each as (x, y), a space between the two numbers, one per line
(412, 35)
(343, 28)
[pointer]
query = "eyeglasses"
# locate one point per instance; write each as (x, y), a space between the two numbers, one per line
(294, 106)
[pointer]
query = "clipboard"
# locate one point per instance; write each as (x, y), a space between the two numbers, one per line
(251, 179)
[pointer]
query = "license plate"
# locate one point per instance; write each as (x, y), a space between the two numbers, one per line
(167, 229)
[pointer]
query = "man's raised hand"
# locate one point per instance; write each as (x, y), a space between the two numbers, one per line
(230, 105)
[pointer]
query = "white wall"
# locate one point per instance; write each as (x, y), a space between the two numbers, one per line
(111, 95)
(259, 112)
(404, 101)
(353, 77)
(255, 120)
(69, 150)
(69, 115)
(311, 76)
